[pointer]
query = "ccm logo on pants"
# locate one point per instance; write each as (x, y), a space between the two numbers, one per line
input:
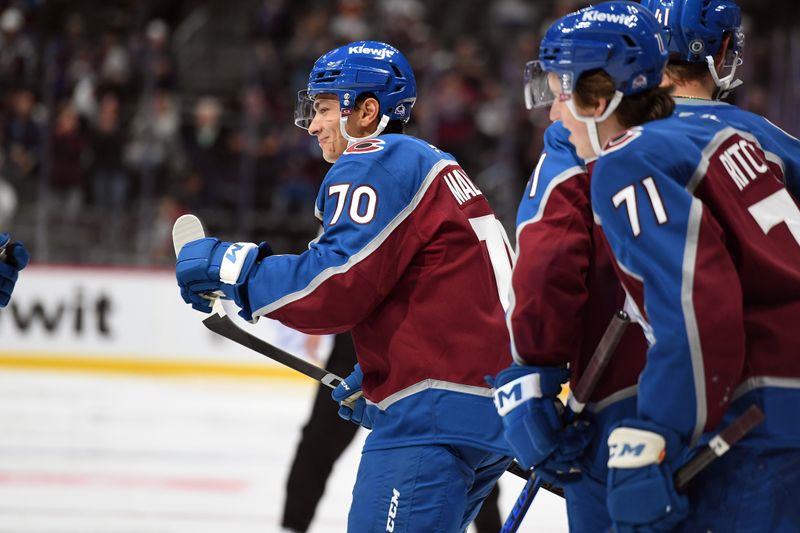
(392, 510)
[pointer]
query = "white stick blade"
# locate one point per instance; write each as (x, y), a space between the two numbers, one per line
(186, 229)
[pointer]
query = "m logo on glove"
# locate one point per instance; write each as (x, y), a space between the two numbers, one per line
(233, 261)
(231, 254)
(509, 396)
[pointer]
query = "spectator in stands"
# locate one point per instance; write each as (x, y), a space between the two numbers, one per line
(68, 152)
(17, 52)
(257, 144)
(113, 64)
(110, 181)
(154, 59)
(22, 142)
(205, 143)
(152, 151)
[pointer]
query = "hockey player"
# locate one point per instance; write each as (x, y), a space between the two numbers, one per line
(705, 42)
(414, 262)
(565, 292)
(13, 258)
(706, 239)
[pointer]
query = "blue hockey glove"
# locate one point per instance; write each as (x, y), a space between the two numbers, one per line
(358, 410)
(207, 265)
(527, 399)
(640, 494)
(15, 259)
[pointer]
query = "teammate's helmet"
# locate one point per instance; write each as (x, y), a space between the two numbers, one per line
(695, 28)
(620, 38)
(358, 68)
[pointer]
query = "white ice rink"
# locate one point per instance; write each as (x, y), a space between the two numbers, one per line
(105, 453)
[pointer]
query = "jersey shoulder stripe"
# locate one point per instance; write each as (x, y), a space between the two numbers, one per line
(557, 163)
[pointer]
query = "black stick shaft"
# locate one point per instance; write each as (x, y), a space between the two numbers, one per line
(223, 325)
(719, 445)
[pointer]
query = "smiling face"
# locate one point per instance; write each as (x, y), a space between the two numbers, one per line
(579, 134)
(325, 127)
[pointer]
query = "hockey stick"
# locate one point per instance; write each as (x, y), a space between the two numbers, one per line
(224, 326)
(575, 405)
(719, 445)
(189, 228)
(516, 469)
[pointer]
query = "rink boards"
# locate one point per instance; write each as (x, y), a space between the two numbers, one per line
(127, 320)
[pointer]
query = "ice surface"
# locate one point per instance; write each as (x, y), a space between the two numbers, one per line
(104, 453)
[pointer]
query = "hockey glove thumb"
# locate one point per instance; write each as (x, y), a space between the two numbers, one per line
(16, 258)
(352, 404)
(640, 493)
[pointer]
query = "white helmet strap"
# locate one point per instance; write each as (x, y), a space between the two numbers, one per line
(353, 140)
(591, 122)
(725, 84)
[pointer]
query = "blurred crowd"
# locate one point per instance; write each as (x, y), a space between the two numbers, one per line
(112, 122)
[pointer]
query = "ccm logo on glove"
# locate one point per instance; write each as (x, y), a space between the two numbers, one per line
(634, 448)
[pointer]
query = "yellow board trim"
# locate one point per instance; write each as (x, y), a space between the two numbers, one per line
(143, 366)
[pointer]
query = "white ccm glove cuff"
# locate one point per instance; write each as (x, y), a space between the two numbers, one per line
(634, 448)
(233, 261)
(512, 394)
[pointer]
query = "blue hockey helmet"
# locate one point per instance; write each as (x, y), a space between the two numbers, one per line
(695, 32)
(695, 28)
(621, 38)
(359, 68)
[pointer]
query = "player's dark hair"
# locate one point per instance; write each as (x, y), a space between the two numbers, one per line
(393, 126)
(635, 109)
(686, 71)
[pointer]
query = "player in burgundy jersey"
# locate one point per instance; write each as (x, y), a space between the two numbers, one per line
(414, 262)
(564, 294)
(706, 239)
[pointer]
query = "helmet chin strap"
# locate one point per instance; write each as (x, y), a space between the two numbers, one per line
(353, 140)
(591, 122)
(726, 84)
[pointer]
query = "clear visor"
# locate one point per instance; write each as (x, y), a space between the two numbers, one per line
(538, 89)
(303, 109)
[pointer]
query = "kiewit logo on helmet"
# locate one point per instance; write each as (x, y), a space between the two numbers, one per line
(616, 18)
(379, 53)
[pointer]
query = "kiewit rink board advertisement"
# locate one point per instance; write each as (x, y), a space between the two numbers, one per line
(125, 314)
